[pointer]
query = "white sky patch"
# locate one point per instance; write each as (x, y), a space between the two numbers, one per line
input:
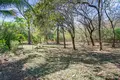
(116, 0)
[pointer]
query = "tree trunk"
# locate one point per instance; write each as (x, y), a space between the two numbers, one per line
(58, 42)
(99, 23)
(64, 38)
(29, 36)
(73, 42)
(113, 45)
(92, 41)
(73, 37)
(100, 40)
(46, 39)
(87, 38)
(113, 29)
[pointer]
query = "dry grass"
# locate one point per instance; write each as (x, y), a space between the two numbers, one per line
(55, 63)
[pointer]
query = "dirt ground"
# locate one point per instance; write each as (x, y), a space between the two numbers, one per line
(53, 62)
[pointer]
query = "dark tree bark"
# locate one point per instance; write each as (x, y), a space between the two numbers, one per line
(91, 35)
(99, 23)
(73, 37)
(113, 45)
(73, 42)
(57, 40)
(46, 38)
(64, 38)
(92, 41)
(29, 35)
(99, 31)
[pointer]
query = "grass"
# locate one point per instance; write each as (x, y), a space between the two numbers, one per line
(56, 63)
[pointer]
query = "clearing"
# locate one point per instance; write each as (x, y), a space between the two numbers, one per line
(53, 62)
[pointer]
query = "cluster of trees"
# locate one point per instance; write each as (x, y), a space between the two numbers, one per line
(97, 18)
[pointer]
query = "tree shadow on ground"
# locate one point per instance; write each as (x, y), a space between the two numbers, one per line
(62, 60)
(47, 68)
(88, 57)
(56, 62)
(13, 70)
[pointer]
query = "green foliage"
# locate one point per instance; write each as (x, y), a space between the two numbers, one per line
(12, 32)
(45, 20)
(108, 34)
(117, 32)
(14, 45)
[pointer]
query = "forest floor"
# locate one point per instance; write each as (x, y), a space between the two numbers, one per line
(53, 62)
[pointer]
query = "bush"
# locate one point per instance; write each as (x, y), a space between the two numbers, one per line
(3, 48)
(117, 32)
(14, 45)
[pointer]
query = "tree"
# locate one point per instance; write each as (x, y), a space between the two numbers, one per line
(46, 14)
(64, 37)
(86, 19)
(60, 22)
(28, 16)
(20, 5)
(58, 33)
(112, 14)
(99, 9)
(67, 13)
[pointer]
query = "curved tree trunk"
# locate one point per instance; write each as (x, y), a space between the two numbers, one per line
(92, 41)
(91, 36)
(72, 33)
(73, 43)
(113, 28)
